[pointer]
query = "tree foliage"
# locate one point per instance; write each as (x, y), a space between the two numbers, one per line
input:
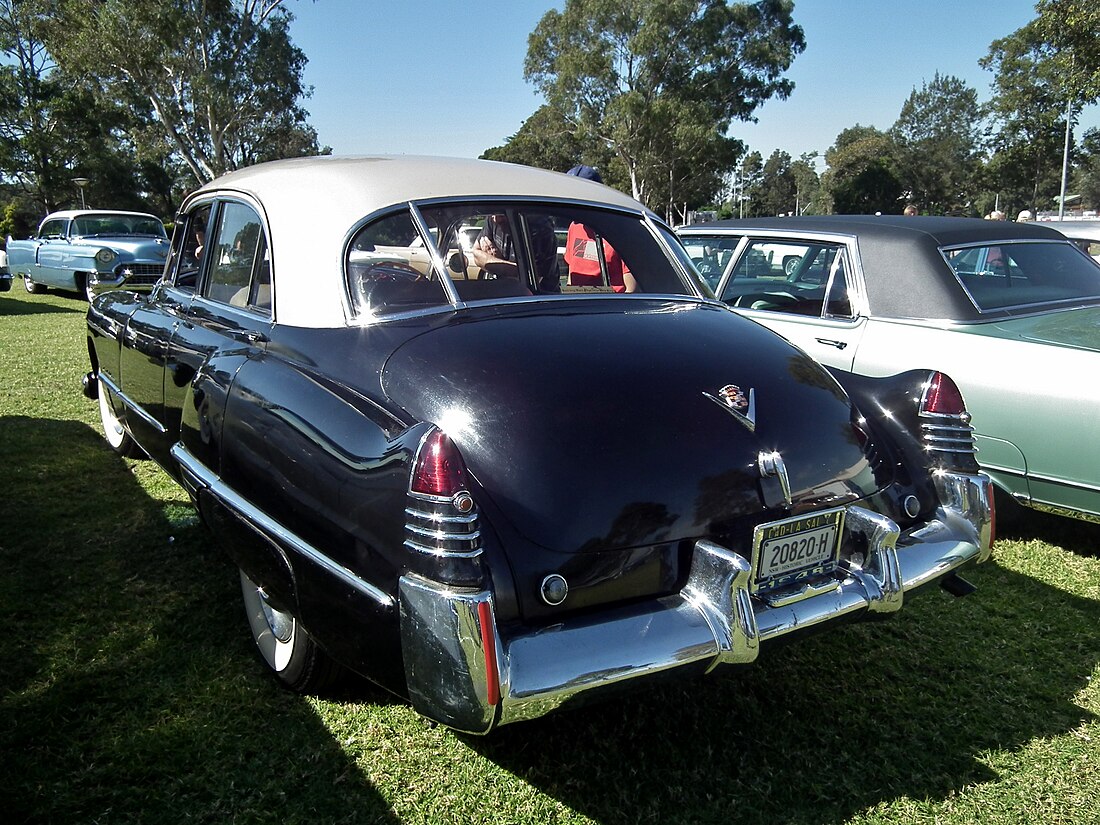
(220, 78)
(862, 177)
(53, 129)
(1071, 30)
(549, 141)
(1088, 171)
(660, 81)
(938, 138)
(782, 186)
(1037, 78)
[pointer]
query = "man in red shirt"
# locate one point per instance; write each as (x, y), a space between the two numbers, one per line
(588, 256)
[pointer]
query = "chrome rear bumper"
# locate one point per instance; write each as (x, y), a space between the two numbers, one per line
(462, 671)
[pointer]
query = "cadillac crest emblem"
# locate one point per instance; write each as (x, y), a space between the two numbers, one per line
(733, 400)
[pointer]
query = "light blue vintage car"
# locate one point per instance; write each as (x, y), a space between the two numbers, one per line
(91, 251)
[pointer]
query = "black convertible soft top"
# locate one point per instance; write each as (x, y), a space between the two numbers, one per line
(905, 273)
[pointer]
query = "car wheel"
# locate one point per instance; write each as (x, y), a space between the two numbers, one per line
(285, 646)
(113, 430)
(790, 264)
(32, 287)
(86, 287)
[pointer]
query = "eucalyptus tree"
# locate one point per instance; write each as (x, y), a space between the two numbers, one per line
(938, 137)
(1044, 74)
(807, 195)
(549, 141)
(659, 82)
(773, 193)
(51, 129)
(1087, 182)
(861, 177)
(221, 79)
(784, 186)
(743, 181)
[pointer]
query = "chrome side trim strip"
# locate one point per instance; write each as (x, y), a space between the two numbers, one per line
(263, 523)
(1058, 510)
(131, 404)
(1061, 482)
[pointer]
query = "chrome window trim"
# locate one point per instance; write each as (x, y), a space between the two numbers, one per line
(440, 267)
(848, 244)
(250, 313)
(267, 526)
(131, 404)
(216, 200)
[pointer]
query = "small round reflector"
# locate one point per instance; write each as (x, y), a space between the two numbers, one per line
(554, 589)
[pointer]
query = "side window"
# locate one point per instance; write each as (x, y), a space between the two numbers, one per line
(389, 268)
(239, 264)
(53, 229)
(838, 301)
(188, 240)
(793, 276)
(593, 262)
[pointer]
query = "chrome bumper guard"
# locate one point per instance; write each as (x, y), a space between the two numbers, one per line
(463, 672)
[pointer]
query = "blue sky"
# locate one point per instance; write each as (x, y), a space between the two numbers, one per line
(446, 78)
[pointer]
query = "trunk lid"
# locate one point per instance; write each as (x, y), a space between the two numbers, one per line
(1078, 328)
(598, 424)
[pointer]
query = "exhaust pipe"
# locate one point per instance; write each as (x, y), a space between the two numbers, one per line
(956, 585)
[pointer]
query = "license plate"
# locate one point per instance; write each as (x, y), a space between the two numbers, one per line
(796, 548)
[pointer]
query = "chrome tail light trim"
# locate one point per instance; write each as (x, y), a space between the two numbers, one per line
(434, 526)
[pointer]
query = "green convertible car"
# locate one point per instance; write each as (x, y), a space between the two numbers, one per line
(1010, 310)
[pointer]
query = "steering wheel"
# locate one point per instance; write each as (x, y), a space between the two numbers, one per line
(398, 271)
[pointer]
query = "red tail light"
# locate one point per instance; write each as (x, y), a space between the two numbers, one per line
(439, 470)
(942, 397)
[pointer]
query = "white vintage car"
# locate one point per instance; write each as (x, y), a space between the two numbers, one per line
(1010, 310)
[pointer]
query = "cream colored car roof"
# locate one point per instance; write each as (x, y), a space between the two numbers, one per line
(311, 206)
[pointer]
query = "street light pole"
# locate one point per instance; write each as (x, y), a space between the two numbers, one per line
(81, 183)
(1065, 158)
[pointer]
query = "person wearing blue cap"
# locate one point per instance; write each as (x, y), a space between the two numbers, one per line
(586, 172)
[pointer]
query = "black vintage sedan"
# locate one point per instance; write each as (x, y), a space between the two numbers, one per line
(441, 463)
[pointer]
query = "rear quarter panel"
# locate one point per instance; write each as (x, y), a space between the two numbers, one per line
(1034, 405)
(331, 465)
(20, 255)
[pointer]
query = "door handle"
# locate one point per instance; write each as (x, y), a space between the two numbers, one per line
(829, 342)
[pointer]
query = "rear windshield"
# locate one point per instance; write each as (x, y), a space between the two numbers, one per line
(496, 251)
(1020, 274)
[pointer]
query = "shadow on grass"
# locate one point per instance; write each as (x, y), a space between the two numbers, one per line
(828, 727)
(131, 693)
(1017, 522)
(10, 304)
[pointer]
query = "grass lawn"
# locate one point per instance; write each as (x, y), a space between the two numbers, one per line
(130, 691)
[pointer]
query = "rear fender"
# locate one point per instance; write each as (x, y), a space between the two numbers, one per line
(891, 405)
(203, 413)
